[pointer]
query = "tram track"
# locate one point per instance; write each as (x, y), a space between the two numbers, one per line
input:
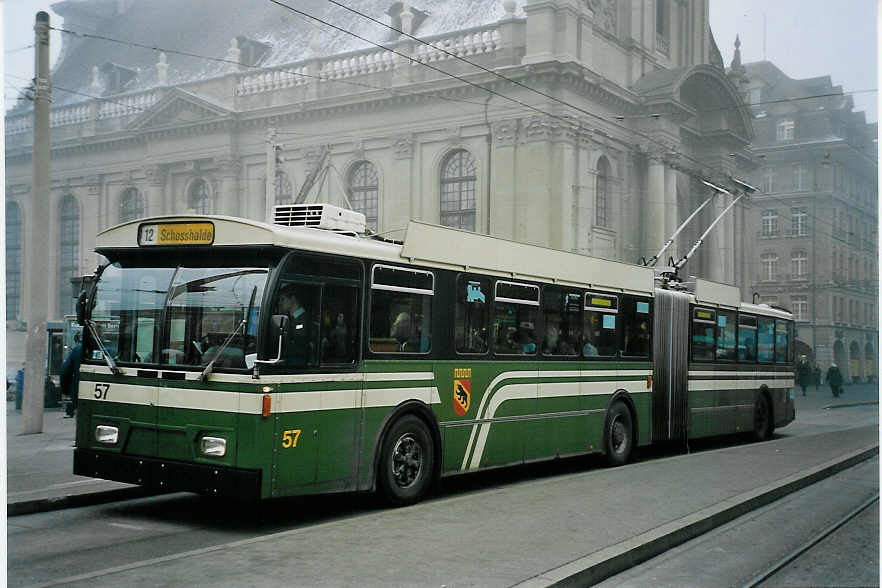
(782, 563)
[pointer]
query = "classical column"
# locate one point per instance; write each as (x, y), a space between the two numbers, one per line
(228, 197)
(397, 203)
(671, 220)
(154, 190)
(503, 158)
(655, 207)
(715, 243)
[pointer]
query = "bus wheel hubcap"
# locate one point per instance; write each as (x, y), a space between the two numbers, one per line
(618, 435)
(407, 461)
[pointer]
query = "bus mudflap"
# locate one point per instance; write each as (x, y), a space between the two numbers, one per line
(169, 475)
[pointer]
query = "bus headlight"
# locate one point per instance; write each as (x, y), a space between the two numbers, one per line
(214, 446)
(106, 434)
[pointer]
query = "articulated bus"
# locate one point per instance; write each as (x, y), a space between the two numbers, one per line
(231, 357)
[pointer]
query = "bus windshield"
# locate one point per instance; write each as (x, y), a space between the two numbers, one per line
(179, 315)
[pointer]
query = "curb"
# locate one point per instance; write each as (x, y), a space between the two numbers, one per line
(867, 403)
(36, 505)
(600, 565)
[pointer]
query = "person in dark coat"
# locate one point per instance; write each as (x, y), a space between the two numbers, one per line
(817, 374)
(834, 379)
(803, 373)
(70, 375)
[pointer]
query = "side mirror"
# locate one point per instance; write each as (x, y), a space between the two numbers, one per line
(278, 329)
(82, 300)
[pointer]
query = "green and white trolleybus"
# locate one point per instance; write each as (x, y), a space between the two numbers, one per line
(231, 357)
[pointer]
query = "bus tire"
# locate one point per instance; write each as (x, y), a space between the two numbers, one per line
(762, 418)
(407, 462)
(618, 437)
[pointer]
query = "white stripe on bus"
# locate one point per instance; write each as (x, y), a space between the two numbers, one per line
(537, 390)
(699, 385)
(739, 374)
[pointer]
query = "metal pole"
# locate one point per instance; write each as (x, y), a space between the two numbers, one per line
(37, 244)
(270, 200)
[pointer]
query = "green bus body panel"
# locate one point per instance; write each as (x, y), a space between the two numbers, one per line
(517, 411)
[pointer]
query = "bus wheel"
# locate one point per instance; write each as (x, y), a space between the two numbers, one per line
(762, 419)
(619, 436)
(406, 461)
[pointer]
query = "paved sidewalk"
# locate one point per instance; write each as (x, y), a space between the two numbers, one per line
(39, 468)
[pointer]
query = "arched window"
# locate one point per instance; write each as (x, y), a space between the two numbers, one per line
(284, 192)
(69, 250)
(13, 260)
(363, 188)
(458, 182)
(131, 205)
(199, 198)
(601, 217)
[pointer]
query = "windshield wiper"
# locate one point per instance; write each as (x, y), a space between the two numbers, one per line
(107, 358)
(220, 350)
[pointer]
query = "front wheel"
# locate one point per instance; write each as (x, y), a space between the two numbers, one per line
(407, 462)
(619, 436)
(762, 419)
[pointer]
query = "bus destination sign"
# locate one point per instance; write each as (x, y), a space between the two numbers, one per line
(176, 234)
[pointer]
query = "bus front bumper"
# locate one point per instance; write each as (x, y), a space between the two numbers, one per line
(163, 474)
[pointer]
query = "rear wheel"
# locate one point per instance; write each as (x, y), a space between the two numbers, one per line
(619, 434)
(762, 419)
(407, 462)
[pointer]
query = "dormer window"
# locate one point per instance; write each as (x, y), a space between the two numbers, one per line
(116, 77)
(251, 52)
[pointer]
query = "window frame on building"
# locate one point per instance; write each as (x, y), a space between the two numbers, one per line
(132, 205)
(785, 130)
(363, 190)
(13, 259)
(202, 203)
(68, 251)
(769, 267)
(601, 201)
(458, 178)
(800, 177)
(284, 188)
(799, 221)
(769, 221)
(799, 265)
(799, 306)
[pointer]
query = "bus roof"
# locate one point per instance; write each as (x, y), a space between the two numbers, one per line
(425, 244)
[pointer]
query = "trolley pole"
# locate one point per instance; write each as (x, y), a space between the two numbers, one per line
(270, 199)
(37, 243)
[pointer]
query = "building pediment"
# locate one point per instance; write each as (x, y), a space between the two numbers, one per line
(179, 108)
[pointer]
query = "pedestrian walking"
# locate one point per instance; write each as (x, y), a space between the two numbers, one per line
(803, 373)
(834, 379)
(70, 376)
(817, 373)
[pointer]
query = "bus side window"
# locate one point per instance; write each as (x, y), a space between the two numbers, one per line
(472, 314)
(726, 328)
(401, 310)
(515, 311)
(636, 326)
(782, 342)
(765, 340)
(300, 303)
(703, 327)
(599, 328)
(561, 311)
(746, 338)
(339, 328)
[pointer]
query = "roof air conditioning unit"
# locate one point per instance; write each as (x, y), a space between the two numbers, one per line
(318, 216)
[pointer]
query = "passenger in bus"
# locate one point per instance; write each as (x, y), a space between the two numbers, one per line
(554, 344)
(526, 341)
(589, 349)
(335, 343)
(300, 343)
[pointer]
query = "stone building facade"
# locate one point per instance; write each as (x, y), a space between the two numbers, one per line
(592, 142)
(815, 222)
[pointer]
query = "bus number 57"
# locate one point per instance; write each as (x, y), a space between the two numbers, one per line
(289, 438)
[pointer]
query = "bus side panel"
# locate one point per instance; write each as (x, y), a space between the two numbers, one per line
(702, 400)
(257, 441)
(560, 426)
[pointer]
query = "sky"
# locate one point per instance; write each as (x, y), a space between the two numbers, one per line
(804, 38)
